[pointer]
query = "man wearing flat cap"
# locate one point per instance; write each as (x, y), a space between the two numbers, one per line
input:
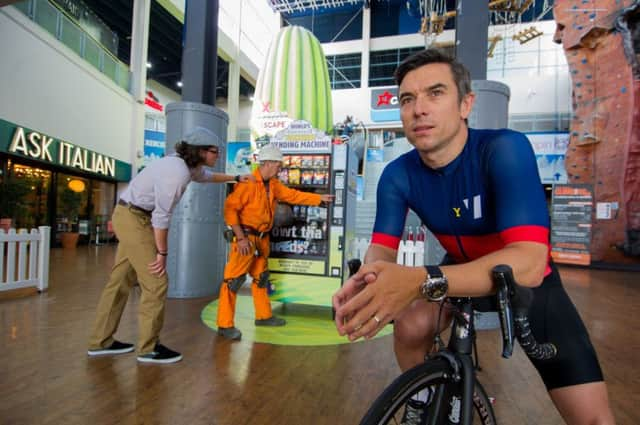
(141, 223)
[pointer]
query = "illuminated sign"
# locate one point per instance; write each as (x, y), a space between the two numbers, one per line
(153, 102)
(34, 145)
(384, 105)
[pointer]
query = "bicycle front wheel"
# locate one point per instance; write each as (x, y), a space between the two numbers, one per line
(435, 374)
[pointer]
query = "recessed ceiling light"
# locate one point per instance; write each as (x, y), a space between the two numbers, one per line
(179, 83)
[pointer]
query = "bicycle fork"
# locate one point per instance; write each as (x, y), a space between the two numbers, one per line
(453, 401)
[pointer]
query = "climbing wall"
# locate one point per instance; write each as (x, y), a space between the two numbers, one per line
(604, 146)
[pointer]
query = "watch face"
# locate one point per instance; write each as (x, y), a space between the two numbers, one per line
(435, 289)
(435, 286)
(438, 289)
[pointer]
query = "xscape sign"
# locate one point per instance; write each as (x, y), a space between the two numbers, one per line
(384, 104)
(34, 145)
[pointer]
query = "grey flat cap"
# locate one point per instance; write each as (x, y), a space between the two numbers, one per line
(201, 136)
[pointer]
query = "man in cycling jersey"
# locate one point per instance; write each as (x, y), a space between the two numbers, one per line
(479, 193)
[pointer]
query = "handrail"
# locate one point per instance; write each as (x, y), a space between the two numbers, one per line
(31, 13)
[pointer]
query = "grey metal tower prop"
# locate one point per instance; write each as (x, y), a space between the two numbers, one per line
(197, 251)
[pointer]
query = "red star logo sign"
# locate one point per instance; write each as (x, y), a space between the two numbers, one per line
(384, 98)
(266, 106)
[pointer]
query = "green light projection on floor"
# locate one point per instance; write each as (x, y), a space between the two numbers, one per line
(306, 325)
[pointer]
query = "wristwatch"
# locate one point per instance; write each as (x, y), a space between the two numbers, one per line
(237, 178)
(435, 286)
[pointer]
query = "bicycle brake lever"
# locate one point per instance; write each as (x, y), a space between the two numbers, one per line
(501, 275)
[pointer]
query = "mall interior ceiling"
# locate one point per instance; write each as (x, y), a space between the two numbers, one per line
(325, 18)
(165, 44)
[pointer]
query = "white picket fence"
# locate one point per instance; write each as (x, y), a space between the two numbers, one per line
(24, 258)
(410, 253)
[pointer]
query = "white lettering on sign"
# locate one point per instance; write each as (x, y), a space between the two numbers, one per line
(37, 145)
(77, 157)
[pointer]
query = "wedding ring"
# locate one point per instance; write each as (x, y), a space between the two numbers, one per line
(376, 319)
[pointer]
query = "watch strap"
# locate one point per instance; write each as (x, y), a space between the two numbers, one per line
(433, 271)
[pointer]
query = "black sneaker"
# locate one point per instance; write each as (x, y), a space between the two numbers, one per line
(116, 347)
(160, 354)
(230, 333)
(271, 321)
(413, 413)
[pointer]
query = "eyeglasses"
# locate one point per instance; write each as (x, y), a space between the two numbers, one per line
(213, 151)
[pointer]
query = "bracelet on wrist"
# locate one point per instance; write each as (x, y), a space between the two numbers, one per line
(164, 254)
(237, 178)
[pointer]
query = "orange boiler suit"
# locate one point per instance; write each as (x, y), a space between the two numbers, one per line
(252, 208)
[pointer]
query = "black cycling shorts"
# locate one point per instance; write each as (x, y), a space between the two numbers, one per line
(554, 318)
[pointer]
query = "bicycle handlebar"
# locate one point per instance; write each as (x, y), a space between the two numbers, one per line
(513, 306)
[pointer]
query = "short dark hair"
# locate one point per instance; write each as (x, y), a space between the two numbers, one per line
(191, 153)
(434, 55)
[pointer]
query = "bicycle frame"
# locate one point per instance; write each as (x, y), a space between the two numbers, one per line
(451, 370)
(458, 354)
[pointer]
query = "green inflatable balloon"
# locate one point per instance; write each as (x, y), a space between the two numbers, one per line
(292, 85)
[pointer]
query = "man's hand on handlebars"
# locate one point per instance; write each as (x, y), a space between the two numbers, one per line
(374, 296)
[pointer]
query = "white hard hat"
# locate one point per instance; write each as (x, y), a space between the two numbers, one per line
(269, 152)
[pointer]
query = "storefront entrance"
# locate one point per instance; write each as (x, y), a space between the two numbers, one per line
(70, 203)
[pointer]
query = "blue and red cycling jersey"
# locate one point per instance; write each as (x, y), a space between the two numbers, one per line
(486, 198)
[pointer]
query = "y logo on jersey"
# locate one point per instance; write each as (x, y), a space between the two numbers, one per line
(476, 207)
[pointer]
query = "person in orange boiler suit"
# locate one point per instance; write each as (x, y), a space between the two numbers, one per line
(249, 210)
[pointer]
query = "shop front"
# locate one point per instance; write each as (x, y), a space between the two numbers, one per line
(50, 182)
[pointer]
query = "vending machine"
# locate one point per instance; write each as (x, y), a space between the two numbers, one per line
(307, 261)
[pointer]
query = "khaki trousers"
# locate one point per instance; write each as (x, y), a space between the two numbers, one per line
(239, 265)
(136, 249)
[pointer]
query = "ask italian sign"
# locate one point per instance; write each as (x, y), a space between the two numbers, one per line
(27, 143)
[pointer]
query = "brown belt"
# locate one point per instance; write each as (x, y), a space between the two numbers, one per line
(251, 231)
(134, 207)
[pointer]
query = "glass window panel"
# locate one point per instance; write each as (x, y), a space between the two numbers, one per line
(23, 6)
(109, 66)
(46, 16)
(383, 63)
(102, 199)
(35, 208)
(122, 75)
(344, 71)
(494, 74)
(71, 35)
(520, 72)
(92, 52)
(522, 60)
(71, 202)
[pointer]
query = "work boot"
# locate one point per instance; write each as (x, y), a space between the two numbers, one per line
(231, 333)
(271, 321)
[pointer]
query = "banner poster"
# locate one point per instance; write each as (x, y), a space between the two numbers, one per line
(550, 150)
(154, 146)
(301, 137)
(239, 157)
(571, 210)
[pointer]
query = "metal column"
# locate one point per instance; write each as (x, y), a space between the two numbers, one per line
(197, 250)
(472, 36)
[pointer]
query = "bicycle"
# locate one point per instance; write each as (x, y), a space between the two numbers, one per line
(449, 374)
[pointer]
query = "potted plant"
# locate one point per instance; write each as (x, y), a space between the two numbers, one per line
(70, 206)
(13, 193)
